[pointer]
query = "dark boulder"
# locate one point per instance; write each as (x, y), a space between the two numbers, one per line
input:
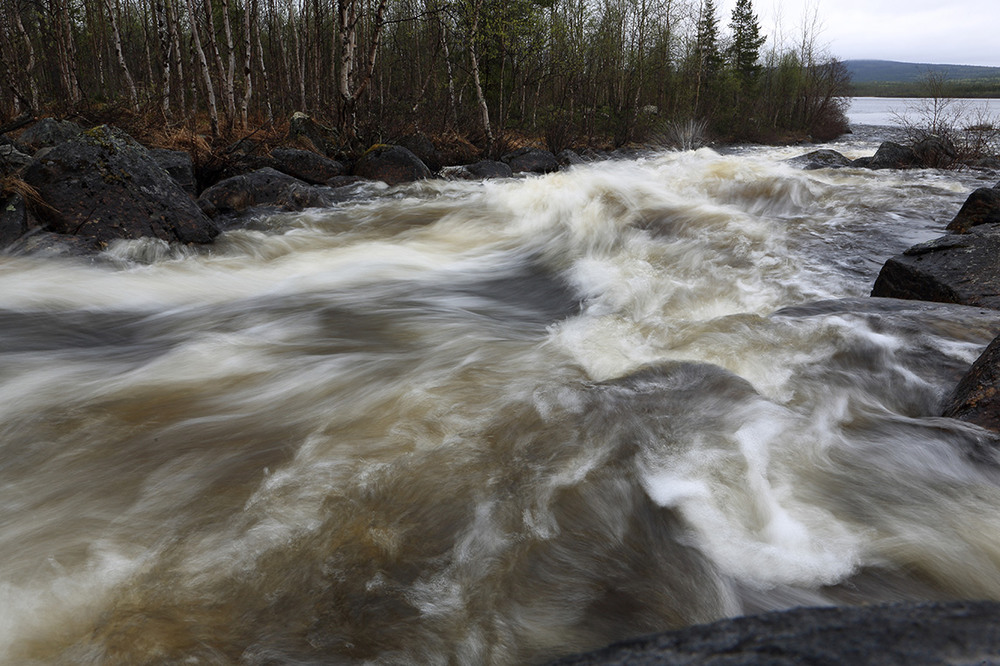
(821, 159)
(976, 399)
(424, 148)
(482, 170)
(935, 152)
(102, 186)
(46, 133)
(892, 155)
(12, 160)
(391, 164)
(951, 269)
(40, 243)
(15, 219)
(531, 160)
(264, 187)
(982, 207)
(915, 634)
(179, 165)
(567, 157)
(306, 165)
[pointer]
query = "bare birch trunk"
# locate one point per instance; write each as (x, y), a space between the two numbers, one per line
(484, 110)
(248, 11)
(206, 74)
(163, 33)
(116, 34)
(229, 87)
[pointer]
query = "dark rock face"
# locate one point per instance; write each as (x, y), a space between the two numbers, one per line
(951, 269)
(982, 207)
(103, 186)
(12, 160)
(481, 170)
(179, 165)
(935, 152)
(914, 634)
(306, 165)
(567, 157)
(391, 164)
(894, 156)
(822, 159)
(264, 187)
(46, 133)
(14, 219)
(531, 160)
(421, 146)
(976, 399)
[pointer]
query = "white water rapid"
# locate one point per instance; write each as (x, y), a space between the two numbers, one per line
(490, 423)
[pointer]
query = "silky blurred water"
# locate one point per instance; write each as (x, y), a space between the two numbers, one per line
(490, 423)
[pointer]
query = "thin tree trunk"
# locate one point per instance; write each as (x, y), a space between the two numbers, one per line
(116, 34)
(484, 110)
(248, 12)
(206, 74)
(163, 32)
(30, 65)
(263, 67)
(230, 85)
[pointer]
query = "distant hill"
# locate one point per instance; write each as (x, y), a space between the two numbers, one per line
(889, 78)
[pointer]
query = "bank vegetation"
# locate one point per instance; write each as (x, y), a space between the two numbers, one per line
(561, 72)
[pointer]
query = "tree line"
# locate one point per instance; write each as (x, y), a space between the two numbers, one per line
(569, 71)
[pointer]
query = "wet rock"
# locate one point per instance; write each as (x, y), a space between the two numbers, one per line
(482, 170)
(531, 160)
(822, 159)
(915, 634)
(421, 146)
(982, 207)
(179, 165)
(391, 164)
(951, 269)
(264, 187)
(862, 163)
(103, 186)
(567, 157)
(46, 133)
(306, 165)
(976, 399)
(39, 243)
(892, 155)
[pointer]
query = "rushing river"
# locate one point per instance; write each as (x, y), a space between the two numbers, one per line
(490, 423)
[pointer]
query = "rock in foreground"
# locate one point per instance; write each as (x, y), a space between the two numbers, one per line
(909, 634)
(976, 399)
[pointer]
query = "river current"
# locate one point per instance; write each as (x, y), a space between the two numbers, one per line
(491, 423)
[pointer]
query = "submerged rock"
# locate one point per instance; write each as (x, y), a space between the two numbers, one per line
(915, 634)
(102, 186)
(482, 170)
(822, 159)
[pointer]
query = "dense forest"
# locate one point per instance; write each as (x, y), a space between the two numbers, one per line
(566, 72)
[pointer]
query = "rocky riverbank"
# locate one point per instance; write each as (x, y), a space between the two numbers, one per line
(68, 189)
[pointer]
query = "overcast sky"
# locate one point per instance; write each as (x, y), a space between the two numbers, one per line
(954, 32)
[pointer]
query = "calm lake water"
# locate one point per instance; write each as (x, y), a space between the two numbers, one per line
(889, 110)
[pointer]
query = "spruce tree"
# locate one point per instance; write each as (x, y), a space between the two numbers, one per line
(744, 52)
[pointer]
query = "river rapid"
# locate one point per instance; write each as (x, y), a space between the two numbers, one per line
(490, 423)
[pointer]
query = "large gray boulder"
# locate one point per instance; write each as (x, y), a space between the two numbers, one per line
(179, 165)
(531, 160)
(892, 155)
(46, 133)
(102, 185)
(903, 634)
(391, 164)
(958, 268)
(306, 165)
(264, 187)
